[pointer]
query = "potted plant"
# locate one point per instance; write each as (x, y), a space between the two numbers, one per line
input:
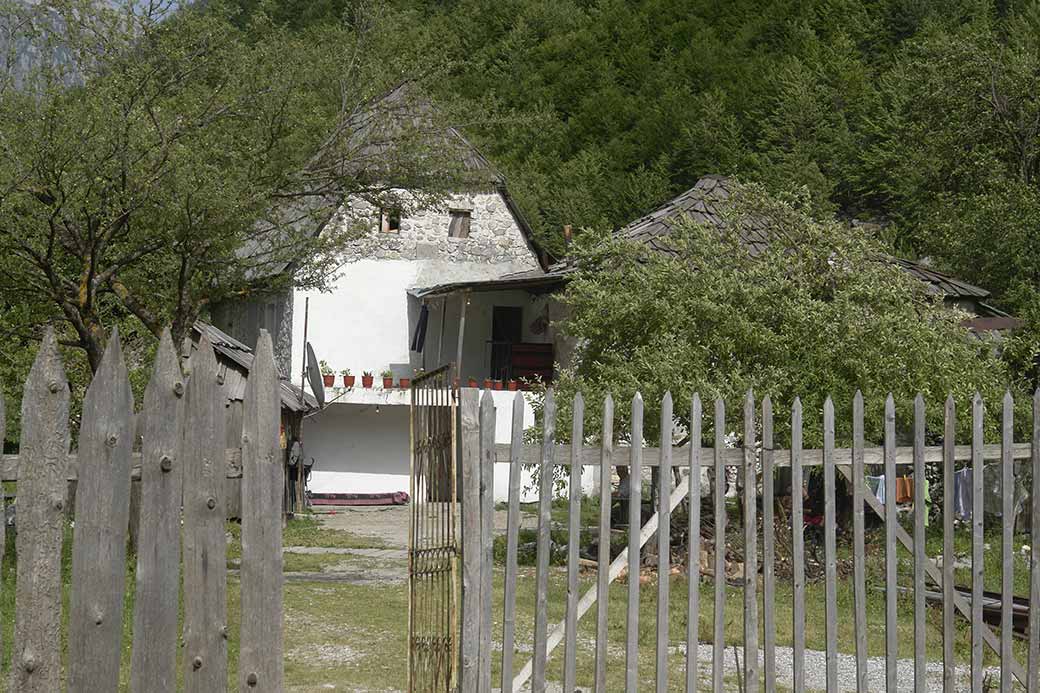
(487, 383)
(328, 376)
(366, 379)
(348, 378)
(404, 383)
(472, 382)
(496, 384)
(513, 385)
(388, 379)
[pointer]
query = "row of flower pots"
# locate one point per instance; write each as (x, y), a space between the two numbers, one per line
(328, 377)
(490, 384)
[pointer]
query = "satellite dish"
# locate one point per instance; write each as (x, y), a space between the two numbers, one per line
(314, 376)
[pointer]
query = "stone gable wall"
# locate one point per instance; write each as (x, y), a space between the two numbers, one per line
(494, 236)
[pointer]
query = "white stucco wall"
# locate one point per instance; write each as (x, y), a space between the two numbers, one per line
(359, 450)
(365, 321)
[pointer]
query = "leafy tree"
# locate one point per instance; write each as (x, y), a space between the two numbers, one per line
(821, 311)
(157, 161)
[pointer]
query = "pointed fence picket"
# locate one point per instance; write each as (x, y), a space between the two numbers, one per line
(182, 455)
(754, 462)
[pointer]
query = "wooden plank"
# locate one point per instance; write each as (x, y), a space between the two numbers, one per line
(205, 577)
(768, 549)
(531, 454)
(891, 549)
(261, 657)
(469, 674)
(635, 491)
(859, 550)
(750, 477)
(664, 545)
(512, 540)
(106, 438)
(693, 543)
(573, 544)
(36, 654)
(830, 548)
(719, 624)
(1007, 586)
(545, 487)
(734, 457)
(1034, 574)
(602, 573)
(797, 551)
(487, 520)
(920, 512)
(154, 657)
(977, 545)
(949, 471)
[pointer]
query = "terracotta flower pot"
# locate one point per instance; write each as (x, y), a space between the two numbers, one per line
(366, 381)
(405, 383)
(487, 383)
(513, 385)
(329, 380)
(496, 384)
(348, 381)
(388, 383)
(472, 382)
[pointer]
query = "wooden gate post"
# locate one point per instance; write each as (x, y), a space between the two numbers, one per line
(469, 457)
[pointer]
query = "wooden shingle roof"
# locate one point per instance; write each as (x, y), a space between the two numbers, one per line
(703, 203)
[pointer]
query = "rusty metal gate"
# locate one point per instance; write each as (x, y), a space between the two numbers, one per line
(433, 548)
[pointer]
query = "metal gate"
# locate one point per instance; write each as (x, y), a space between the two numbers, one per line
(433, 549)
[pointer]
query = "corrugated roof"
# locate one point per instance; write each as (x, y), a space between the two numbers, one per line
(236, 360)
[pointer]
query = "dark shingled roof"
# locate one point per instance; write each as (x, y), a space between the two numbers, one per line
(235, 360)
(702, 203)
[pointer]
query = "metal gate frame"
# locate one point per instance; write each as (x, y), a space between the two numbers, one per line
(433, 551)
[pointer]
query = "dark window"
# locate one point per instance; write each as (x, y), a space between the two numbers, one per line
(390, 220)
(458, 227)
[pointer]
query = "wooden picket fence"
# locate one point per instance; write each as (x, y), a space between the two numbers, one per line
(181, 464)
(479, 453)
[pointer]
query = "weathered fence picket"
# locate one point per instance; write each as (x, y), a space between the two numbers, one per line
(154, 657)
(891, 548)
(512, 539)
(976, 546)
(664, 544)
(1007, 479)
(36, 656)
(205, 582)
(859, 550)
(635, 512)
(603, 556)
(106, 438)
(262, 488)
(920, 513)
(768, 549)
(797, 550)
(176, 462)
(830, 551)
(949, 469)
(693, 554)
(1034, 563)
(573, 544)
(541, 613)
(719, 624)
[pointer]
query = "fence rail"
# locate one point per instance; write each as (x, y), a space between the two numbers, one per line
(182, 468)
(758, 587)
